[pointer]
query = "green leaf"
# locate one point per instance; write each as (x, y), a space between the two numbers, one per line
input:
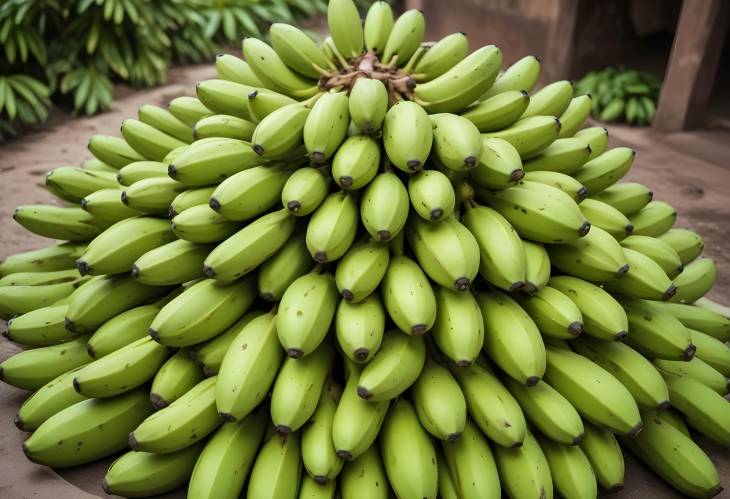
(10, 107)
(82, 91)
(211, 28)
(3, 92)
(229, 25)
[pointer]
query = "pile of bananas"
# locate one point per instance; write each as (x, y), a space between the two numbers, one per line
(618, 94)
(372, 267)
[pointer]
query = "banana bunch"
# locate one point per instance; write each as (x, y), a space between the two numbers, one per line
(371, 267)
(621, 94)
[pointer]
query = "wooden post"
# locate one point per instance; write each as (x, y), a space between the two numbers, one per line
(561, 43)
(693, 64)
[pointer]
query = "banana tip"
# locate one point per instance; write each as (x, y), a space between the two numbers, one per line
(635, 430)
(69, 325)
(629, 229)
(345, 182)
(575, 328)
(132, 441)
(214, 204)
(583, 192)
(90, 350)
(584, 228)
(282, 429)
(453, 437)
(293, 206)
(361, 354)
(18, 422)
(345, 454)
(414, 165)
(671, 291)
(208, 271)
(436, 214)
(518, 285)
(462, 284)
(125, 198)
(227, 417)
(384, 235)
(620, 335)
(320, 479)
(320, 256)
(470, 161)
(532, 380)
(463, 363)
(363, 392)
(154, 334)
(258, 149)
(267, 296)
(418, 330)
(77, 386)
(578, 439)
(171, 170)
(295, 353)
(252, 95)
(347, 294)
(105, 487)
(689, 352)
(622, 270)
(663, 406)
(318, 157)
(134, 272)
(157, 401)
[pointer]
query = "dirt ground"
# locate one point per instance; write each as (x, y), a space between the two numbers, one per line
(691, 171)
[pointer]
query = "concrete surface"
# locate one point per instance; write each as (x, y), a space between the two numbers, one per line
(691, 171)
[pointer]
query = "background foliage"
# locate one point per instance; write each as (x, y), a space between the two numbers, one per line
(71, 51)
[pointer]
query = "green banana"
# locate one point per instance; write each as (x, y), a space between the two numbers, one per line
(491, 406)
(440, 405)
(16, 300)
(262, 102)
(470, 462)
(345, 26)
(404, 39)
(659, 251)
(459, 327)
(564, 182)
(604, 454)
(117, 248)
(202, 311)
(224, 126)
(365, 477)
(41, 327)
(699, 318)
(143, 474)
(570, 469)
(68, 223)
(656, 333)
(326, 126)
(431, 195)
(441, 56)
(460, 86)
(318, 452)
(496, 112)
(231, 68)
(189, 110)
(524, 471)
(304, 191)
(575, 115)
(356, 162)
(87, 431)
(595, 257)
(190, 198)
(178, 375)
(551, 100)
(96, 165)
(205, 163)
(222, 97)
(384, 207)
(654, 219)
(605, 170)
(395, 367)
(377, 27)
(281, 132)
(457, 143)
(537, 267)
(249, 368)
(407, 136)
(644, 279)
(298, 51)
(368, 102)
(139, 170)
(73, 184)
(705, 410)
(631, 368)
(172, 263)
(166, 122)
(48, 400)
(696, 369)
(408, 296)
(106, 205)
(529, 136)
(597, 139)
(712, 351)
(359, 327)
(687, 243)
(697, 278)
(521, 76)
(201, 224)
(565, 155)
(499, 165)
(603, 317)
(113, 151)
(58, 257)
(277, 470)
(595, 393)
(554, 313)
(147, 140)
(181, 424)
(361, 270)
(626, 197)
(332, 228)
(286, 265)
(408, 453)
(226, 460)
(249, 247)
(121, 330)
(249, 193)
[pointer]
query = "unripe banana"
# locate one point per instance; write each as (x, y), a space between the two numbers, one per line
(457, 143)
(459, 327)
(274, 73)
(318, 452)
(564, 182)
(209, 355)
(688, 244)
(491, 406)
(460, 86)
(73, 184)
(166, 122)
(595, 257)
(368, 103)
(705, 410)
(121, 371)
(697, 278)
(298, 50)
(356, 422)
(305, 190)
(210, 162)
(277, 471)
(361, 270)
(626, 197)
(523, 470)
(565, 155)
(262, 102)
(143, 474)
(189, 110)
(407, 136)
(570, 469)
(250, 193)
(377, 27)
(106, 206)
(345, 26)
(310, 489)
(202, 311)
(298, 387)
(659, 251)
(431, 195)
(363, 478)
(631, 368)
(39, 278)
(597, 395)
(408, 296)
(147, 140)
(121, 330)
(178, 375)
(201, 224)
(602, 314)
(224, 126)
(356, 162)
(117, 248)
(191, 197)
(281, 132)
(41, 327)
(289, 263)
(605, 170)
(183, 423)
(530, 136)
(104, 297)
(699, 318)
(16, 300)
(231, 68)
(113, 151)
(644, 279)
(359, 327)
(554, 313)
(654, 219)
(575, 115)
(224, 464)
(394, 368)
(87, 431)
(597, 139)
(497, 112)
(551, 100)
(332, 228)
(441, 56)
(696, 369)
(57, 257)
(173, 263)
(249, 247)
(326, 126)
(520, 76)
(96, 165)
(537, 267)
(604, 454)
(546, 214)
(655, 332)
(404, 39)
(48, 400)
(608, 218)
(440, 403)
(71, 224)
(384, 207)
(675, 457)
(139, 170)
